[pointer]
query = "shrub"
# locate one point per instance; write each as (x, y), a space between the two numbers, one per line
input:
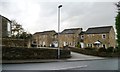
(116, 49)
(110, 49)
(87, 51)
(89, 48)
(101, 52)
(78, 45)
(102, 49)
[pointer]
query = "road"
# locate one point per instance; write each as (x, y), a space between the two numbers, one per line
(106, 64)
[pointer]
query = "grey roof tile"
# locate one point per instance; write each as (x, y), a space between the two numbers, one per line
(70, 31)
(97, 30)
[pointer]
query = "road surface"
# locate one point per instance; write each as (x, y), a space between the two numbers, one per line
(106, 64)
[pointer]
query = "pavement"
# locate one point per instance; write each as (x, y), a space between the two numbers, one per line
(74, 57)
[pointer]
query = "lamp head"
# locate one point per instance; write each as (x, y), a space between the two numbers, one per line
(59, 6)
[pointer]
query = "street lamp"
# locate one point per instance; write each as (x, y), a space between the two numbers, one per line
(59, 30)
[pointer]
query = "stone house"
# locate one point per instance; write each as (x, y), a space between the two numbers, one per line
(43, 39)
(5, 27)
(68, 37)
(99, 37)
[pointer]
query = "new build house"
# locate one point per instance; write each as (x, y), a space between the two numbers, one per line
(68, 37)
(94, 37)
(99, 37)
(43, 39)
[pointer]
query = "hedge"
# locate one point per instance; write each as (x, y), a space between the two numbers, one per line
(12, 53)
(95, 52)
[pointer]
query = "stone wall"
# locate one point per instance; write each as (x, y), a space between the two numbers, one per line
(9, 42)
(20, 53)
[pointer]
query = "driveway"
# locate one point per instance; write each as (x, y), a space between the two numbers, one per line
(78, 56)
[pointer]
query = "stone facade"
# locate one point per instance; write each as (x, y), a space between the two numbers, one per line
(69, 37)
(43, 39)
(94, 37)
(101, 37)
(10, 42)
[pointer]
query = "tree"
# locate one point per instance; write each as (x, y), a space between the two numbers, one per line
(117, 23)
(25, 35)
(16, 29)
(18, 32)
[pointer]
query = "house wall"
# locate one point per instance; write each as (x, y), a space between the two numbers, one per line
(72, 40)
(4, 27)
(112, 39)
(109, 41)
(68, 40)
(4, 24)
(43, 39)
(91, 38)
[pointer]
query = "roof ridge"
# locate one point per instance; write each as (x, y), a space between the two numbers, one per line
(103, 29)
(72, 28)
(100, 27)
(44, 31)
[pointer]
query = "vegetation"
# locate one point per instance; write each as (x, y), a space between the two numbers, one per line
(102, 49)
(78, 45)
(18, 53)
(102, 52)
(18, 32)
(117, 23)
(110, 50)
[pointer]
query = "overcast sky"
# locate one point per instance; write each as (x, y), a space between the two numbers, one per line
(37, 15)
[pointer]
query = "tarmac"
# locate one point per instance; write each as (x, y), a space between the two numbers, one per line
(74, 57)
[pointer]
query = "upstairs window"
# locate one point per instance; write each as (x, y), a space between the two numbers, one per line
(55, 36)
(82, 37)
(103, 36)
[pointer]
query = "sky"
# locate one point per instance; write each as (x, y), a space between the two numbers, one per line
(42, 15)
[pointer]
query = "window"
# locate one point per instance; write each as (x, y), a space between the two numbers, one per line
(104, 46)
(82, 37)
(66, 43)
(89, 45)
(55, 36)
(103, 36)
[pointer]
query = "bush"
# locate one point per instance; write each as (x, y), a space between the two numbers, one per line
(110, 50)
(88, 48)
(12, 53)
(87, 51)
(116, 50)
(78, 45)
(102, 49)
(94, 52)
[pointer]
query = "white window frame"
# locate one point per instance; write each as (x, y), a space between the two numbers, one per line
(82, 36)
(89, 45)
(103, 36)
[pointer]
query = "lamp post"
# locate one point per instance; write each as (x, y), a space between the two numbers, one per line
(59, 30)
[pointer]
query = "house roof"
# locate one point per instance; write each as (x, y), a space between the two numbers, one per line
(70, 31)
(45, 32)
(5, 18)
(97, 30)
(82, 32)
